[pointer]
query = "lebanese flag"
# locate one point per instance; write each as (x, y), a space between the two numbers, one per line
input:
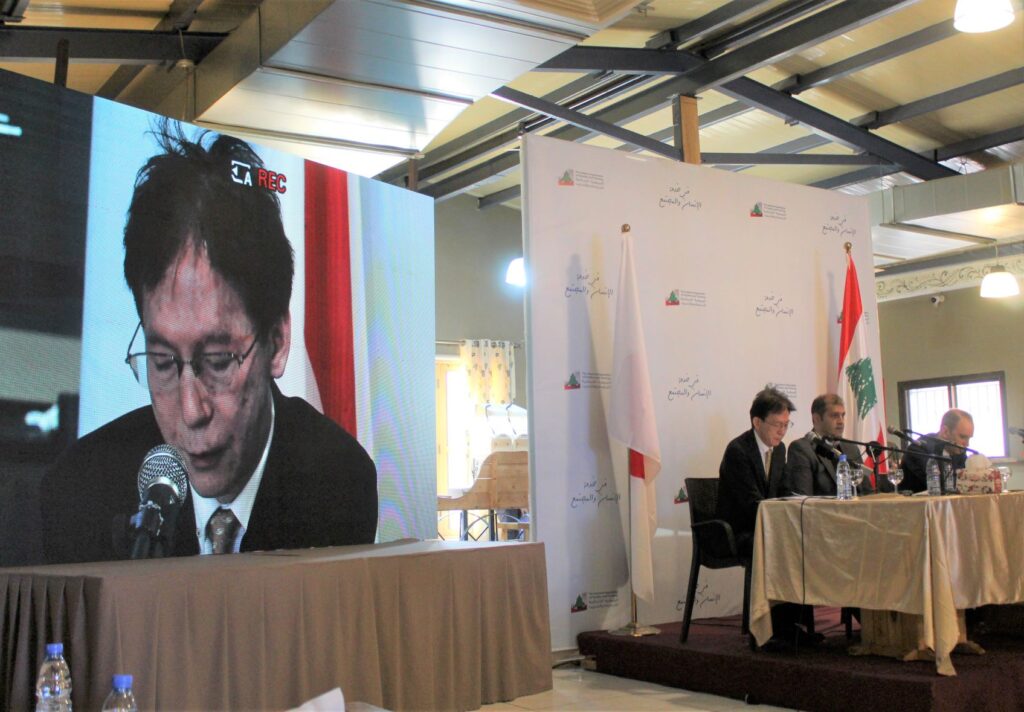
(631, 422)
(857, 385)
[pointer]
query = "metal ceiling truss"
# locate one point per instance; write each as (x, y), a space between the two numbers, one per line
(179, 18)
(946, 153)
(141, 47)
(690, 73)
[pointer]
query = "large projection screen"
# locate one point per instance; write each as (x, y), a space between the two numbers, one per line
(66, 316)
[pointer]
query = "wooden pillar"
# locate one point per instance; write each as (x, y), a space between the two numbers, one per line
(686, 128)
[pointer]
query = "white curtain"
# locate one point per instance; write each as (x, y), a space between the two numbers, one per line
(491, 367)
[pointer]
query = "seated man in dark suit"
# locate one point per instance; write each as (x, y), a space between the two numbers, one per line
(811, 460)
(752, 470)
(955, 432)
(210, 268)
(753, 465)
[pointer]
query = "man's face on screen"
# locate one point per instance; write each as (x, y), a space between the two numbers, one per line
(219, 419)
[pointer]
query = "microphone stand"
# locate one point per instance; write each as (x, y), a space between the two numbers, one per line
(937, 458)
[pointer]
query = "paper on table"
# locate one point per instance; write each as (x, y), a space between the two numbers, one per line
(330, 701)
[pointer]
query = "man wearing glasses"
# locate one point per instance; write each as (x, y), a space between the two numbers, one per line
(210, 269)
(752, 470)
(753, 465)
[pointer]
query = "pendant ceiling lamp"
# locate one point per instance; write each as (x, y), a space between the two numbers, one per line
(982, 15)
(999, 283)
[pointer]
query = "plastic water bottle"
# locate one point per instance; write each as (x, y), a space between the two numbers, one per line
(844, 479)
(53, 686)
(934, 476)
(120, 698)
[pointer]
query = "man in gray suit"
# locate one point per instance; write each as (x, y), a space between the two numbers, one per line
(811, 462)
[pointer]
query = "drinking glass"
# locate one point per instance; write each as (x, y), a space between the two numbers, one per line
(856, 477)
(896, 476)
(1004, 473)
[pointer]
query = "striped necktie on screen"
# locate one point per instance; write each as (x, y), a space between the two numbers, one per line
(221, 530)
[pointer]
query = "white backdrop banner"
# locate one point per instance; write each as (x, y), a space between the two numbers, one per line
(740, 282)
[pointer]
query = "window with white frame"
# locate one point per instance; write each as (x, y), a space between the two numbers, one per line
(983, 395)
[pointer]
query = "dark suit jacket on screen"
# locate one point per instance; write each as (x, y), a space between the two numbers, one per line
(742, 483)
(319, 488)
(811, 470)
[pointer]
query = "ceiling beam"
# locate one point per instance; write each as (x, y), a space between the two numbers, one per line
(703, 74)
(935, 102)
(706, 25)
(584, 121)
(179, 18)
(858, 62)
(774, 102)
(499, 197)
(30, 44)
(790, 159)
(463, 145)
(953, 150)
(782, 14)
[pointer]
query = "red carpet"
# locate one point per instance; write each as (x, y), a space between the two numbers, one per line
(717, 659)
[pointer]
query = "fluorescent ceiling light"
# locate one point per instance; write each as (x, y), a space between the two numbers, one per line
(982, 15)
(516, 272)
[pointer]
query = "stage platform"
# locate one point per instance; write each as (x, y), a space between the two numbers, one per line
(717, 659)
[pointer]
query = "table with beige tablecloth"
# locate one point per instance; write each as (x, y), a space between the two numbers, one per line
(409, 625)
(921, 555)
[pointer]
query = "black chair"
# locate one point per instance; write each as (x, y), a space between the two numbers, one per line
(714, 546)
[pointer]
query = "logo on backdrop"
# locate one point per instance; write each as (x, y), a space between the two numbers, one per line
(689, 388)
(837, 226)
(686, 298)
(704, 595)
(587, 379)
(243, 174)
(773, 306)
(595, 493)
(762, 209)
(682, 497)
(594, 599)
(581, 179)
(679, 198)
(587, 285)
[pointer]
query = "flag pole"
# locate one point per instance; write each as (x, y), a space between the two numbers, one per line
(633, 628)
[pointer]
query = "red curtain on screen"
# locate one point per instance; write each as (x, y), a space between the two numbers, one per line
(328, 330)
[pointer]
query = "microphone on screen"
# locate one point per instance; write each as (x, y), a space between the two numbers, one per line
(163, 486)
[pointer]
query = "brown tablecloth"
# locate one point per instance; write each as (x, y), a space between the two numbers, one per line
(410, 625)
(928, 556)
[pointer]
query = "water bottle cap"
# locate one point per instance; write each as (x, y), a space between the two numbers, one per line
(842, 458)
(55, 648)
(122, 682)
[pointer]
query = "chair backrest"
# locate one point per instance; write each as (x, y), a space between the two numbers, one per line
(703, 496)
(511, 473)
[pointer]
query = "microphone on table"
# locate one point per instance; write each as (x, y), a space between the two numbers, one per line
(1016, 431)
(828, 445)
(898, 433)
(163, 486)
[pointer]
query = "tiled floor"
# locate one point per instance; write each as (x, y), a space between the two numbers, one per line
(577, 689)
